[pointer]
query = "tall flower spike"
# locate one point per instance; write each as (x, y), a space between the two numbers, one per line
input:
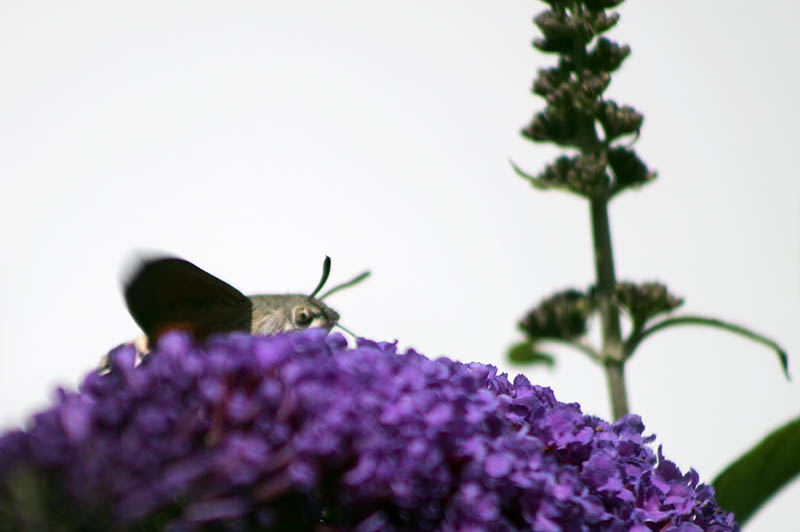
(576, 106)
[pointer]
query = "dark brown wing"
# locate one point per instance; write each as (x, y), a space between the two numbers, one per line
(171, 293)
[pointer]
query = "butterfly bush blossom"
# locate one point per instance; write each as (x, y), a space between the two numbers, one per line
(300, 432)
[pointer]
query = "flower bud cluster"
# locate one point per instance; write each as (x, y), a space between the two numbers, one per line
(565, 315)
(576, 107)
(645, 301)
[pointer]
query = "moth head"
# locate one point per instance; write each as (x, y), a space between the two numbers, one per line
(290, 312)
(311, 312)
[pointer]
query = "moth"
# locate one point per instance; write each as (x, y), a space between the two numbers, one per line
(170, 293)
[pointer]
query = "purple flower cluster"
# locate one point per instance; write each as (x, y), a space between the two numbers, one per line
(299, 432)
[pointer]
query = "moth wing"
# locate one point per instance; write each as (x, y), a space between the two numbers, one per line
(171, 293)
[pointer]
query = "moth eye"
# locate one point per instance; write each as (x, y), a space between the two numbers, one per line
(302, 316)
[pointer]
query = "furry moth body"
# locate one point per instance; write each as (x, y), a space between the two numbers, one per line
(169, 293)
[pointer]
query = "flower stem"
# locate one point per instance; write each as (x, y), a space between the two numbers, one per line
(612, 351)
(615, 375)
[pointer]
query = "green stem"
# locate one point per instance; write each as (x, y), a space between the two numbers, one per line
(583, 347)
(615, 375)
(612, 352)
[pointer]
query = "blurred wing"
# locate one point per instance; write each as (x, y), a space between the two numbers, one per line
(171, 293)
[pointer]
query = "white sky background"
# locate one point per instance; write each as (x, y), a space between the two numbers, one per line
(254, 137)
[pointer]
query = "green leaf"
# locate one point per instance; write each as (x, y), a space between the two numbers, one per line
(636, 338)
(526, 353)
(758, 474)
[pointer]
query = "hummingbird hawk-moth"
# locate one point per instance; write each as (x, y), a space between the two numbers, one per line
(170, 293)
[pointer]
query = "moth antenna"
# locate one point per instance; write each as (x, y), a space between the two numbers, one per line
(345, 329)
(355, 280)
(326, 271)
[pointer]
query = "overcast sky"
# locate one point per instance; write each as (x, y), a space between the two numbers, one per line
(255, 137)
